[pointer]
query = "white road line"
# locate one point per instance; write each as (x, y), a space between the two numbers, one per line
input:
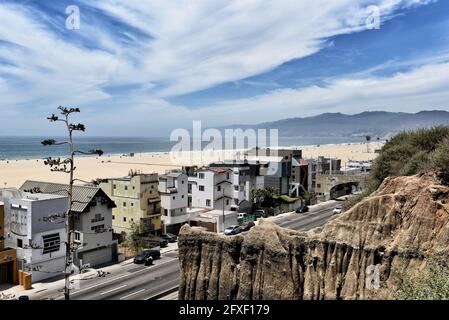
(117, 278)
(131, 294)
(109, 291)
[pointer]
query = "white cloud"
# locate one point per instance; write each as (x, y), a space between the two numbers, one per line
(195, 45)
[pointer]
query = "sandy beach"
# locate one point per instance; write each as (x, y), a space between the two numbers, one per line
(14, 172)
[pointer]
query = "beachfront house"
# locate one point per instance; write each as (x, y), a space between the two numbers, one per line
(212, 188)
(174, 196)
(137, 201)
(34, 225)
(92, 209)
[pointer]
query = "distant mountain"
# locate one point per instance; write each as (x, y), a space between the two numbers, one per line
(375, 123)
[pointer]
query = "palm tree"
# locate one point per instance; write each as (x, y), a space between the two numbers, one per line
(368, 139)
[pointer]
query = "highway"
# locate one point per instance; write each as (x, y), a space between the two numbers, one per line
(128, 281)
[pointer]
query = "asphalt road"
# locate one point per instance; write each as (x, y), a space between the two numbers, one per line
(137, 282)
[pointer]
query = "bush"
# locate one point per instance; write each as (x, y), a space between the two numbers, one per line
(430, 284)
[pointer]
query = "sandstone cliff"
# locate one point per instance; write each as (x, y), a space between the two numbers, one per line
(396, 228)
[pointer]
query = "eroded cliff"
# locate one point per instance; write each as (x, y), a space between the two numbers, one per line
(396, 228)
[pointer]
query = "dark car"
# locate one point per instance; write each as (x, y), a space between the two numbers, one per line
(153, 253)
(163, 243)
(169, 237)
(302, 209)
(24, 298)
(246, 226)
(259, 213)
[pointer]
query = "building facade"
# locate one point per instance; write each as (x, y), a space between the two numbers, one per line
(212, 188)
(8, 256)
(92, 210)
(173, 190)
(137, 200)
(38, 239)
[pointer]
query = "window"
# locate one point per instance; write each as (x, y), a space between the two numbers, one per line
(219, 188)
(113, 217)
(19, 243)
(51, 242)
(115, 186)
(124, 204)
(201, 188)
(134, 188)
(124, 219)
(77, 236)
(180, 209)
(227, 202)
(98, 217)
(132, 204)
(182, 182)
(318, 185)
(201, 175)
(174, 197)
(236, 188)
(207, 202)
(132, 219)
(126, 187)
(182, 196)
(227, 176)
(97, 229)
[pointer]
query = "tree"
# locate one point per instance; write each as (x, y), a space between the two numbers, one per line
(134, 239)
(263, 196)
(67, 165)
(368, 139)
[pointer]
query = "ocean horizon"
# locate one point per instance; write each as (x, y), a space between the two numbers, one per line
(30, 147)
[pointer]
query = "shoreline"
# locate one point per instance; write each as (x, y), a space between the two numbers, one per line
(13, 173)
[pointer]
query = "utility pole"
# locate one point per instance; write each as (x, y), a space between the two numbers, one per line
(222, 207)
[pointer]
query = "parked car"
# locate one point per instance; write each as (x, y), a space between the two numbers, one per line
(149, 261)
(153, 253)
(242, 215)
(302, 209)
(231, 230)
(169, 237)
(337, 210)
(24, 298)
(259, 213)
(246, 226)
(163, 243)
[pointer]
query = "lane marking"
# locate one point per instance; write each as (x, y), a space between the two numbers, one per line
(131, 294)
(115, 289)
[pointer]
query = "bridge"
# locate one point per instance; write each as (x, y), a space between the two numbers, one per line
(335, 185)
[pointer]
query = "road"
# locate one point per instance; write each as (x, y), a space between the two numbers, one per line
(128, 281)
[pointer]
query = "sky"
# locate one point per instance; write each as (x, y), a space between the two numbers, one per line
(143, 68)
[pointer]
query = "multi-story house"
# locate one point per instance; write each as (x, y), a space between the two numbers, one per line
(211, 187)
(35, 227)
(92, 209)
(8, 256)
(242, 178)
(319, 166)
(137, 200)
(173, 188)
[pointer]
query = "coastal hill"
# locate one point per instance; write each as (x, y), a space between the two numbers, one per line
(380, 124)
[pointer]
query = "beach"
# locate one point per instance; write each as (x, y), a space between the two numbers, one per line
(13, 173)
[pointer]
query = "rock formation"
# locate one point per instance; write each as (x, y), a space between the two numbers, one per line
(396, 229)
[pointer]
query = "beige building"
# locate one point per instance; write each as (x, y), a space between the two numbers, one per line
(137, 200)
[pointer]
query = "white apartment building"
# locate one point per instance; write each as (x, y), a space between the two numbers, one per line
(35, 227)
(93, 220)
(173, 190)
(212, 188)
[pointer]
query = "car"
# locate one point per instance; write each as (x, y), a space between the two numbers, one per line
(232, 230)
(163, 243)
(337, 210)
(246, 226)
(302, 209)
(242, 215)
(149, 261)
(24, 298)
(169, 237)
(153, 253)
(259, 213)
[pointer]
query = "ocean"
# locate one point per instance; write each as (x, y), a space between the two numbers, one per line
(16, 148)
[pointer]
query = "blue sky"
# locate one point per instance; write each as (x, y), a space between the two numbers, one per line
(145, 67)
